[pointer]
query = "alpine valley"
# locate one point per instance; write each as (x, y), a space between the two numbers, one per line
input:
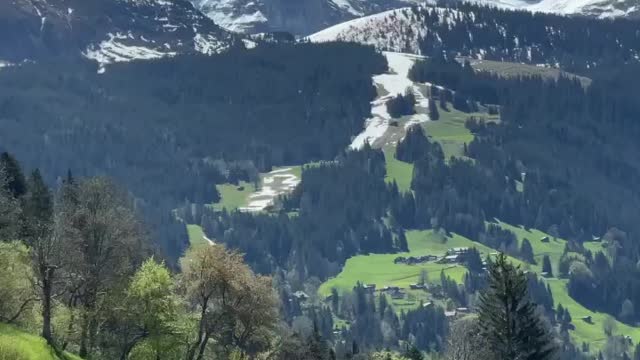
(319, 179)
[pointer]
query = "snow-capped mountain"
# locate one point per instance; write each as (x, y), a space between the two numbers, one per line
(305, 17)
(296, 16)
(106, 30)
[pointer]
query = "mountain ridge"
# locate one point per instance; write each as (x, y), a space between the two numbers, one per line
(307, 17)
(106, 31)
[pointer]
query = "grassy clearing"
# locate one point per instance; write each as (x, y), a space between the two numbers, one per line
(18, 345)
(591, 333)
(233, 196)
(554, 248)
(398, 171)
(450, 130)
(196, 236)
(510, 69)
(595, 246)
(379, 269)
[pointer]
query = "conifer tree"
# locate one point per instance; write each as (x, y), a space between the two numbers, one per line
(508, 319)
(16, 183)
(434, 114)
(546, 266)
(402, 241)
(526, 251)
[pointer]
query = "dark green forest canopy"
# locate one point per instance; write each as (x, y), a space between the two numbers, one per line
(158, 126)
(575, 43)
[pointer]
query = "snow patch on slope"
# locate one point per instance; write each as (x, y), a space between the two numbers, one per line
(115, 50)
(395, 82)
(276, 183)
(346, 5)
(234, 15)
(208, 44)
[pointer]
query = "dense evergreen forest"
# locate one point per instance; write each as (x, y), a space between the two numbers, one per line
(572, 148)
(573, 43)
(170, 129)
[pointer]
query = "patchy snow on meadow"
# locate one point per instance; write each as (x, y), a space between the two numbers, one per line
(396, 81)
(277, 182)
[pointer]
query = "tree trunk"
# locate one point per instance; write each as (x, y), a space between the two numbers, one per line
(83, 335)
(192, 349)
(47, 289)
(203, 346)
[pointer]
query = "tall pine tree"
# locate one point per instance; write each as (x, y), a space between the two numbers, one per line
(512, 328)
(16, 183)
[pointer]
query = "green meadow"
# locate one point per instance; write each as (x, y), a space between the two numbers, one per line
(18, 345)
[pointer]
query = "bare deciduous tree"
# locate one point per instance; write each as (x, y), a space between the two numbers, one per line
(105, 246)
(464, 342)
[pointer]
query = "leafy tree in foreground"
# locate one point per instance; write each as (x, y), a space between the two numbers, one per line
(508, 320)
(104, 243)
(16, 295)
(37, 231)
(237, 308)
(150, 311)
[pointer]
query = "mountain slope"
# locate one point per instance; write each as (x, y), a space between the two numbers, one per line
(595, 8)
(494, 34)
(106, 30)
(305, 17)
(295, 16)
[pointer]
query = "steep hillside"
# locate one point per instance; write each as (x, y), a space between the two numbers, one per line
(494, 34)
(106, 30)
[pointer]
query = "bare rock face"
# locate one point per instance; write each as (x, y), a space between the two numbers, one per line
(106, 30)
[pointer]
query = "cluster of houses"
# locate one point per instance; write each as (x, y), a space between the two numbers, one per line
(395, 292)
(452, 256)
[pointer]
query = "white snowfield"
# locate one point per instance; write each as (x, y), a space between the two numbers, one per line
(115, 48)
(276, 183)
(393, 83)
